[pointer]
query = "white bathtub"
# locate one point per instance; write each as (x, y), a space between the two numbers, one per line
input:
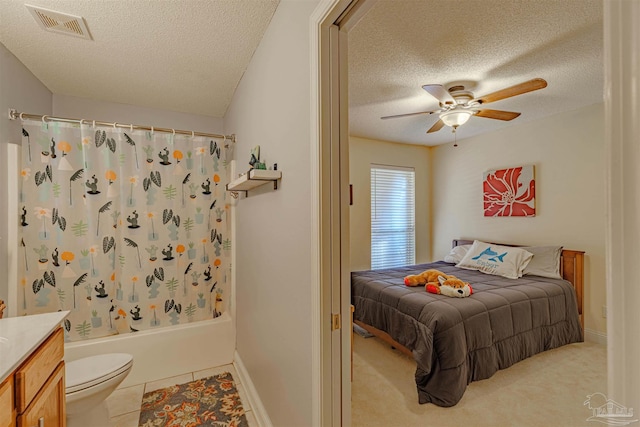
(165, 352)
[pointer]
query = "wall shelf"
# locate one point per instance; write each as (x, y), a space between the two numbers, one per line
(254, 178)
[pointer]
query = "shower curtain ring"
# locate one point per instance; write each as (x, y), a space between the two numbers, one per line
(192, 134)
(173, 131)
(94, 124)
(131, 128)
(44, 119)
(21, 116)
(151, 130)
(115, 124)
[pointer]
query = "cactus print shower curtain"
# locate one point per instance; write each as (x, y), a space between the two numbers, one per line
(127, 229)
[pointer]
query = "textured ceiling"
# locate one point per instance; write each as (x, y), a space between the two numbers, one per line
(189, 56)
(186, 55)
(399, 46)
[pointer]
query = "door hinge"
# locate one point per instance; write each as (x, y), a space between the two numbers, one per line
(335, 321)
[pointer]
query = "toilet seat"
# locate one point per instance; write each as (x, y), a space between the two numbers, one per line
(90, 371)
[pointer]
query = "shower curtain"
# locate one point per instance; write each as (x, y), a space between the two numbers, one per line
(128, 229)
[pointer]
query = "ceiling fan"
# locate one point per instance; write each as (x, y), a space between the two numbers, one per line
(457, 104)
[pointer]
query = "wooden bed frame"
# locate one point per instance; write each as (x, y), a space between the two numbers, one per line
(571, 269)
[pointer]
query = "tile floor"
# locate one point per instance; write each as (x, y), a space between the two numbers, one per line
(124, 403)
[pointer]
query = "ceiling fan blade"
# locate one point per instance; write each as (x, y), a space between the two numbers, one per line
(440, 93)
(408, 114)
(518, 89)
(436, 127)
(497, 114)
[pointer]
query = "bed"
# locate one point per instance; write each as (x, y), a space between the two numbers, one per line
(455, 341)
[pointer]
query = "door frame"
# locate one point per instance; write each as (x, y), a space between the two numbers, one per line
(330, 24)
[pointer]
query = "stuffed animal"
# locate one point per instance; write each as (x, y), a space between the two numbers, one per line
(423, 278)
(451, 287)
(437, 282)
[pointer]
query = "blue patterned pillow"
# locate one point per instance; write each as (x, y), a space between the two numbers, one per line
(505, 261)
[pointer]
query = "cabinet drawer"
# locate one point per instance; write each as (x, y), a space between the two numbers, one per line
(32, 374)
(48, 404)
(7, 413)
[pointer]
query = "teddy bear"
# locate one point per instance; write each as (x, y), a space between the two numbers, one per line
(437, 282)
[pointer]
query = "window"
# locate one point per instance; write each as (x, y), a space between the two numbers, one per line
(392, 216)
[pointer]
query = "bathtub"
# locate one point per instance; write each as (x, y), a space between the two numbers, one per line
(165, 352)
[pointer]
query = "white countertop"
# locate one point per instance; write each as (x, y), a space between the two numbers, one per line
(20, 336)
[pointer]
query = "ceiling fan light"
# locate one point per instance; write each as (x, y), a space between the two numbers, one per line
(455, 118)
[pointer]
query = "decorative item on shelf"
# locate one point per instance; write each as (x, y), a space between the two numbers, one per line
(256, 176)
(255, 157)
(2, 307)
(254, 161)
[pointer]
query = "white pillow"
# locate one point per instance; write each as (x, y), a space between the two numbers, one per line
(456, 254)
(505, 261)
(545, 261)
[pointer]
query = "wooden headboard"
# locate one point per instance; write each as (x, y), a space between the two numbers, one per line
(571, 269)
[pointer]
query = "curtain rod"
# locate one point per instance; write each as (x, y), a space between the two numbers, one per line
(14, 115)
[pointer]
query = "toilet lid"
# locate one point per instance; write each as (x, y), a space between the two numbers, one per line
(89, 371)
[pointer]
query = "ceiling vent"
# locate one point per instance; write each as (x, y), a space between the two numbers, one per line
(58, 22)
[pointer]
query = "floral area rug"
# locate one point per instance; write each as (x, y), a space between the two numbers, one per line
(212, 401)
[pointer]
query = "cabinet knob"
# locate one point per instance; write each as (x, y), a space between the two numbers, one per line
(40, 422)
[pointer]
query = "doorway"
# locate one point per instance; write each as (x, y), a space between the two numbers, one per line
(618, 10)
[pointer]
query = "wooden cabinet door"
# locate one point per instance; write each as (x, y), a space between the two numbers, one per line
(48, 405)
(34, 373)
(7, 407)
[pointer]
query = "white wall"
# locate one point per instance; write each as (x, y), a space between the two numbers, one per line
(362, 153)
(271, 108)
(568, 151)
(22, 91)
(82, 108)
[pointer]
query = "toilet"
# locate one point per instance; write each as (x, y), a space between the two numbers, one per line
(88, 383)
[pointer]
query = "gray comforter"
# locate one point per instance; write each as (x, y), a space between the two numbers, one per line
(458, 340)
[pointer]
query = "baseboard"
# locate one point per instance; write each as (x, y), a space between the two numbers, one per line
(595, 336)
(252, 394)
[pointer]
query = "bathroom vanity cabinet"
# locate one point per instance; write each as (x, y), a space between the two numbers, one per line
(32, 391)
(7, 407)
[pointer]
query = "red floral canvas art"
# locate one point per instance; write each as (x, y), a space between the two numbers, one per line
(509, 192)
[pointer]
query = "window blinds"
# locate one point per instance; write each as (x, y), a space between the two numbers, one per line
(392, 216)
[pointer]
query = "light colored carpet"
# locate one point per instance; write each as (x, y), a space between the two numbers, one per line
(548, 389)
